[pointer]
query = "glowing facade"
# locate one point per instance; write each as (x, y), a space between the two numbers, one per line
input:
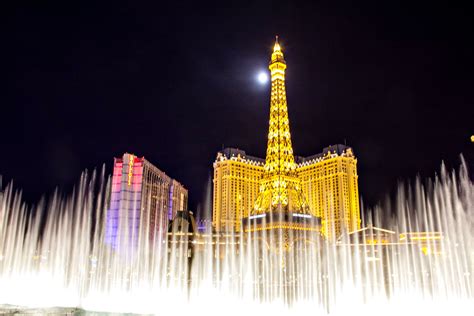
(323, 186)
(178, 200)
(143, 199)
(236, 183)
(330, 183)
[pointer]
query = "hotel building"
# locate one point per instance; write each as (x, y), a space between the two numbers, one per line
(143, 199)
(330, 183)
(236, 183)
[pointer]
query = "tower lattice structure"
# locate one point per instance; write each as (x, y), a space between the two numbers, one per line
(280, 203)
(280, 188)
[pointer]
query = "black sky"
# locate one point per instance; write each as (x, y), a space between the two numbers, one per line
(85, 82)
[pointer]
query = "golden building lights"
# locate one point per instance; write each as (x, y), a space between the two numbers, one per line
(280, 188)
(330, 183)
(235, 183)
(322, 186)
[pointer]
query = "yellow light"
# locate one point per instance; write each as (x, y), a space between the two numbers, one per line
(280, 183)
(427, 238)
(130, 170)
(276, 47)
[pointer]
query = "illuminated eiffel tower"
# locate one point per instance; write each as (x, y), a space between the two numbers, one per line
(281, 203)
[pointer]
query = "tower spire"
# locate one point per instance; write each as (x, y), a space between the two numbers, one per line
(280, 189)
(277, 54)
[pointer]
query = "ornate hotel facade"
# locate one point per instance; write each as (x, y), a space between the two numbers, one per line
(330, 183)
(236, 185)
(322, 186)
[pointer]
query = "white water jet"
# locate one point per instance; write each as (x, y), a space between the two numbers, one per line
(55, 256)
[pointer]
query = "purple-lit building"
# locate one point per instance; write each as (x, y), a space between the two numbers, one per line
(142, 201)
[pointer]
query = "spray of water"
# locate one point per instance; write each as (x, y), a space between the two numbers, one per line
(55, 256)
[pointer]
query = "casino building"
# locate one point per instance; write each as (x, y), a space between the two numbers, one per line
(330, 183)
(142, 201)
(236, 183)
(248, 189)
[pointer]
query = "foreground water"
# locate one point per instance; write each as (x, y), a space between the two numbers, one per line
(53, 259)
(52, 311)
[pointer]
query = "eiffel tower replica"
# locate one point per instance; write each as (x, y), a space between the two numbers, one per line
(281, 204)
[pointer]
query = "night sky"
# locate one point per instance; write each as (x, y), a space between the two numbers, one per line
(84, 83)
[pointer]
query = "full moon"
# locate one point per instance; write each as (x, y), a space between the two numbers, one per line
(262, 77)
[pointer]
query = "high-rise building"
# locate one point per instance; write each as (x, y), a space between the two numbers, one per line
(323, 185)
(178, 199)
(143, 199)
(236, 183)
(330, 183)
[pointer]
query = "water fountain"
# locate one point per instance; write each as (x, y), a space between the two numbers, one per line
(417, 258)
